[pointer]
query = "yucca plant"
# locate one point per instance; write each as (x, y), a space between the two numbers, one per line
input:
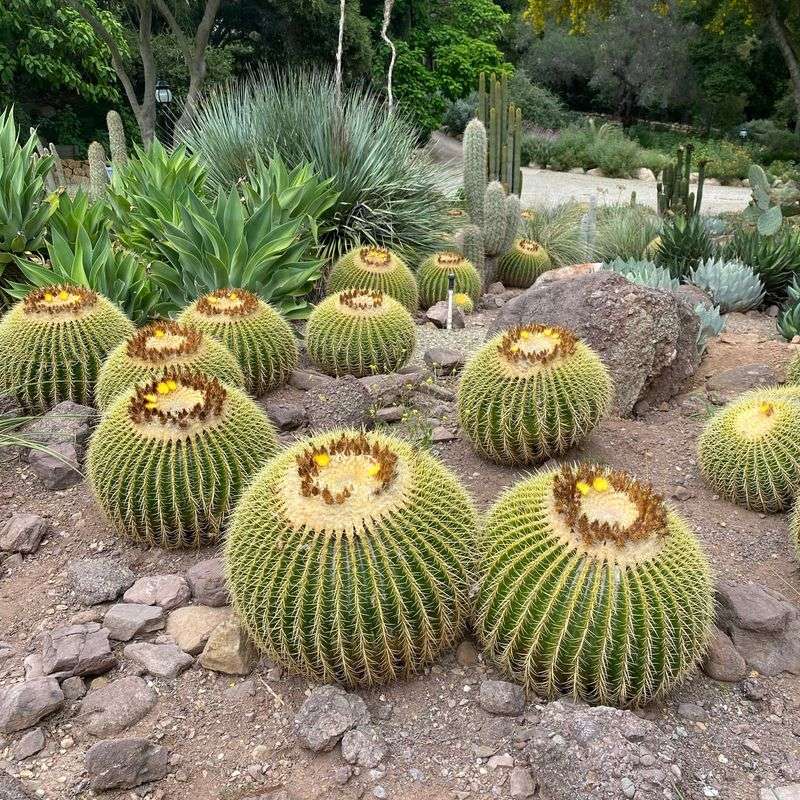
(557, 229)
(625, 232)
(390, 192)
(682, 244)
(227, 245)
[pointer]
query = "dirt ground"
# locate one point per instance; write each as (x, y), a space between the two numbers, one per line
(231, 738)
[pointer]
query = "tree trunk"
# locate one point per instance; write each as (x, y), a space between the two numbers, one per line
(790, 56)
(387, 18)
(339, 50)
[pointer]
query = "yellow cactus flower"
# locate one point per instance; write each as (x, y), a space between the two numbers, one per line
(600, 484)
(162, 388)
(582, 487)
(766, 409)
(63, 295)
(151, 398)
(158, 333)
(373, 470)
(48, 297)
(322, 459)
(172, 385)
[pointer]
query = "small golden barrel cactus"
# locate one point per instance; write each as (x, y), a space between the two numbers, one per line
(590, 586)
(463, 302)
(433, 275)
(531, 393)
(348, 558)
(375, 268)
(53, 342)
(749, 453)
(259, 337)
(360, 332)
(793, 370)
(522, 264)
(157, 347)
(170, 458)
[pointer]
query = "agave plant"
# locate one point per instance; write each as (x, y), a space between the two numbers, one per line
(390, 192)
(712, 323)
(683, 243)
(733, 286)
(79, 213)
(558, 230)
(264, 250)
(788, 321)
(645, 273)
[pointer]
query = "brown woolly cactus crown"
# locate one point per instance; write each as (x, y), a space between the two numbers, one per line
(161, 341)
(529, 346)
(59, 300)
(359, 300)
(228, 302)
(375, 258)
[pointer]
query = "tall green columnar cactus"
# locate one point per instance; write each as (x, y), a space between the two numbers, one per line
(98, 177)
(116, 140)
(673, 192)
(472, 247)
(503, 121)
(475, 155)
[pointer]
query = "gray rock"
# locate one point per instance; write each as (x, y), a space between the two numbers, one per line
(117, 706)
(24, 704)
(58, 467)
(437, 314)
(308, 379)
(442, 434)
(6, 651)
(340, 403)
(167, 591)
(286, 415)
(722, 662)
(125, 763)
(229, 650)
(207, 582)
(23, 533)
(161, 660)
(521, 783)
(646, 338)
(502, 697)
(692, 712)
(29, 745)
(729, 384)
(77, 650)
(443, 360)
(496, 288)
(326, 715)
(11, 788)
(579, 752)
(391, 389)
(126, 620)
(98, 580)
(74, 688)
(790, 792)
(190, 627)
(363, 747)
(644, 174)
(391, 414)
(32, 664)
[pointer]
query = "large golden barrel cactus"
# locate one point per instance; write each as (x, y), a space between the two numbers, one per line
(433, 276)
(348, 558)
(53, 342)
(591, 586)
(531, 393)
(375, 268)
(749, 453)
(170, 458)
(522, 264)
(259, 337)
(360, 332)
(157, 347)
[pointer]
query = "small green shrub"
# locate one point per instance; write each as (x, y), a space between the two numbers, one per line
(458, 113)
(539, 106)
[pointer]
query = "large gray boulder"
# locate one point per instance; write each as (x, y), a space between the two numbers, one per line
(647, 338)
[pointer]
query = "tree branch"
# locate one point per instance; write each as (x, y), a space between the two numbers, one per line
(183, 42)
(387, 17)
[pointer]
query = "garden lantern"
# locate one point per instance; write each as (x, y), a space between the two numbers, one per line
(163, 93)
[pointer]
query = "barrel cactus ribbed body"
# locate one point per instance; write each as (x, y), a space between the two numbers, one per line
(749, 453)
(348, 558)
(794, 529)
(522, 264)
(170, 458)
(360, 332)
(732, 285)
(53, 342)
(590, 586)
(375, 268)
(793, 370)
(433, 276)
(259, 337)
(157, 347)
(531, 393)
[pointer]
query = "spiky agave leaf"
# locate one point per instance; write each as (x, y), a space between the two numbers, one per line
(53, 342)
(749, 453)
(433, 277)
(645, 273)
(591, 586)
(170, 458)
(348, 558)
(375, 268)
(360, 332)
(732, 285)
(522, 264)
(530, 393)
(253, 331)
(157, 347)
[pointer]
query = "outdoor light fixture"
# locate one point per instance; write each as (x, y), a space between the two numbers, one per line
(743, 133)
(163, 93)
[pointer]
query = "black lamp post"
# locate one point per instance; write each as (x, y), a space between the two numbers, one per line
(163, 99)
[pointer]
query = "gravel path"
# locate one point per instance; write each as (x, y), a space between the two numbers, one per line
(544, 187)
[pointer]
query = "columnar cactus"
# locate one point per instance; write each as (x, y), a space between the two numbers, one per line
(522, 264)
(157, 347)
(98, 175)
(53, 342)
(433, 277)
(116, 140)
(347, 558)
(591, 586)
(170, 458)
(531, 393)
(257, 335)
(749, 453)
(376, 269)
(475, 159)
(360, 332)
(503, 120)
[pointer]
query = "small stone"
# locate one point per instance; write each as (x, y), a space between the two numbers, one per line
(692, 712)
(521, 784)
(791, 792)
(126, 620)
(23, 533)
(501, 761)
(628, 787)
(437, 314)
(363, 747)
(24, 704)
(125, 763)
(753, 690)
(161, 660)
(29, 745)
(116, 707)
(751, 746)
(466, 654)
(391, 414)
(326, 715)
(167, 591)
(207, 582)
(191, 626)
(443, 360)
(343, 774)
(722, 662)
(496, 288)
(74, 688)
(501, 697)
(229, 650)
(77, 650)
(442, 434)
(98, 580)
(286, 415)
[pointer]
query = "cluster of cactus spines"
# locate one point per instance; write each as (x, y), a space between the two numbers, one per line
(170, 458)
(472, 247)
(590, 586)
(258, 336)
(116, 140)
(159, 346)
(503, 120)
(645, 273)
(522, 264)
(53, 343)
(793, 370)
(531, 393)
(348, 558)
(732, 285)
(360, 332)
(98, 175)
(375, 268)
(433, 276)
(463, 302)
(749, 453)
(673, 190)
(794, 529)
